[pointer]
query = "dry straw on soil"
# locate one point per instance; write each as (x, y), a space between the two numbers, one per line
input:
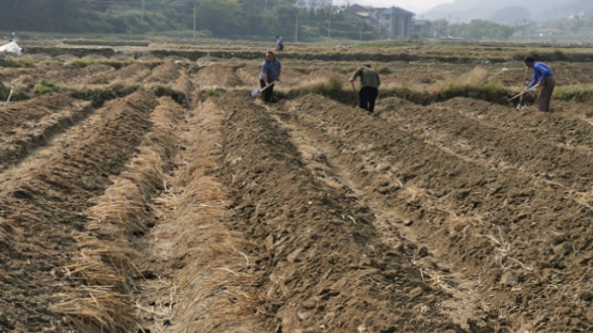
(215, 291)
(105, 265)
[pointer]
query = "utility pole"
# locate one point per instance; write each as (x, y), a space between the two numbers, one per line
(296, 29)
(329, 27)
(361, 25)
(142, 17)
(195, 19)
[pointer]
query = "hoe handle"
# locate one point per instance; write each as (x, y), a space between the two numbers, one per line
(522, 93)
(353, 87)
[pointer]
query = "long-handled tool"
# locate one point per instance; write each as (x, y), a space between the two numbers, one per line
(10, 95)
(355, 93)
(522, 93)
(520, 105)
(257, 92)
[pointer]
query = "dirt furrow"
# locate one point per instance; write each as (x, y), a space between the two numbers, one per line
(25, 126)
(205, 283)
(481, 220)
(514, 152)
(394, 228)
(562, 129)
(43, 204)
(77, 75)
(320, 260)
(164, 74)
(108, 271)
(131, 74)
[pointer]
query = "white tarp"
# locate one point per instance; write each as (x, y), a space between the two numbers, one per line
(11, 48)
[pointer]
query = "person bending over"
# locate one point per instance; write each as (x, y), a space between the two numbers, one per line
(270, 74)
(369, 90)
(542, 75)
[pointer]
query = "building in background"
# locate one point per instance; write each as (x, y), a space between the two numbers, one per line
(313, 4)
(393, 22)
(422, 26)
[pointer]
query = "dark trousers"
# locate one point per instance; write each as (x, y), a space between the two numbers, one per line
(266, 95)
(543, 101)
(368, 96)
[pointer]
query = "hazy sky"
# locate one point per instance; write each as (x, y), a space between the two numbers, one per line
(417, 6)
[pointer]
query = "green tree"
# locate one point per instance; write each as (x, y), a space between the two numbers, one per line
(222, 17)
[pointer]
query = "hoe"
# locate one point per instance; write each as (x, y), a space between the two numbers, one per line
(256, 92)
(510, 100)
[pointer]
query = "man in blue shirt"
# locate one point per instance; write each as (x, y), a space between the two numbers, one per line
(543, 75)
(270, 74)
(280, 43)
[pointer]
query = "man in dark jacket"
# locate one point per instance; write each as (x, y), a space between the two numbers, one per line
(369, 90)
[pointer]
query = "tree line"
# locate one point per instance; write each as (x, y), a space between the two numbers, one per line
(218, 18)
(474, 30)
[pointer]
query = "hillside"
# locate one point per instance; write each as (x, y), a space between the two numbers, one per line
(466, 10)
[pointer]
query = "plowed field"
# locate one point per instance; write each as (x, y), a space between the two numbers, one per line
(136, 197)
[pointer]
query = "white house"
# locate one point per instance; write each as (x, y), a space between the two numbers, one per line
(313, 4)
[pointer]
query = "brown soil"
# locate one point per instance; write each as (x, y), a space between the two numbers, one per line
(41, 204)
(567, 74)
(532, 268)
(514, 151)
(80, 75)
(30, 124)
(566, 126)
(132, 73)
(217, 75)
(164, 74)
(319, 258)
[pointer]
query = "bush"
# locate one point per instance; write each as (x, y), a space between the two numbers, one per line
(45, 87)
(81, 63)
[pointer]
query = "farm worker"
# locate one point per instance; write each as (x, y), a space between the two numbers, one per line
(543, 75)
(369, 90)
(279, 43)
(270, 74)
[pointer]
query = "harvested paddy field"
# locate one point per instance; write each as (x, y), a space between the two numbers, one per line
(161, 197)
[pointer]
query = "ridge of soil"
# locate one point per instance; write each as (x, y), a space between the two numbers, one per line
(561, 128)
(320, 262)
(217, 74)
(515, 151)
(41, 204)
(30, 124)
(164, 74)
(508, 232)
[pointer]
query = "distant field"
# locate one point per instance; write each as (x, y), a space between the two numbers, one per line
(143, 189)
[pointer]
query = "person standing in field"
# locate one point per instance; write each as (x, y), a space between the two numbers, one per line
(542, 75)
(270, 74)
(369, 90)
(279, 43)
